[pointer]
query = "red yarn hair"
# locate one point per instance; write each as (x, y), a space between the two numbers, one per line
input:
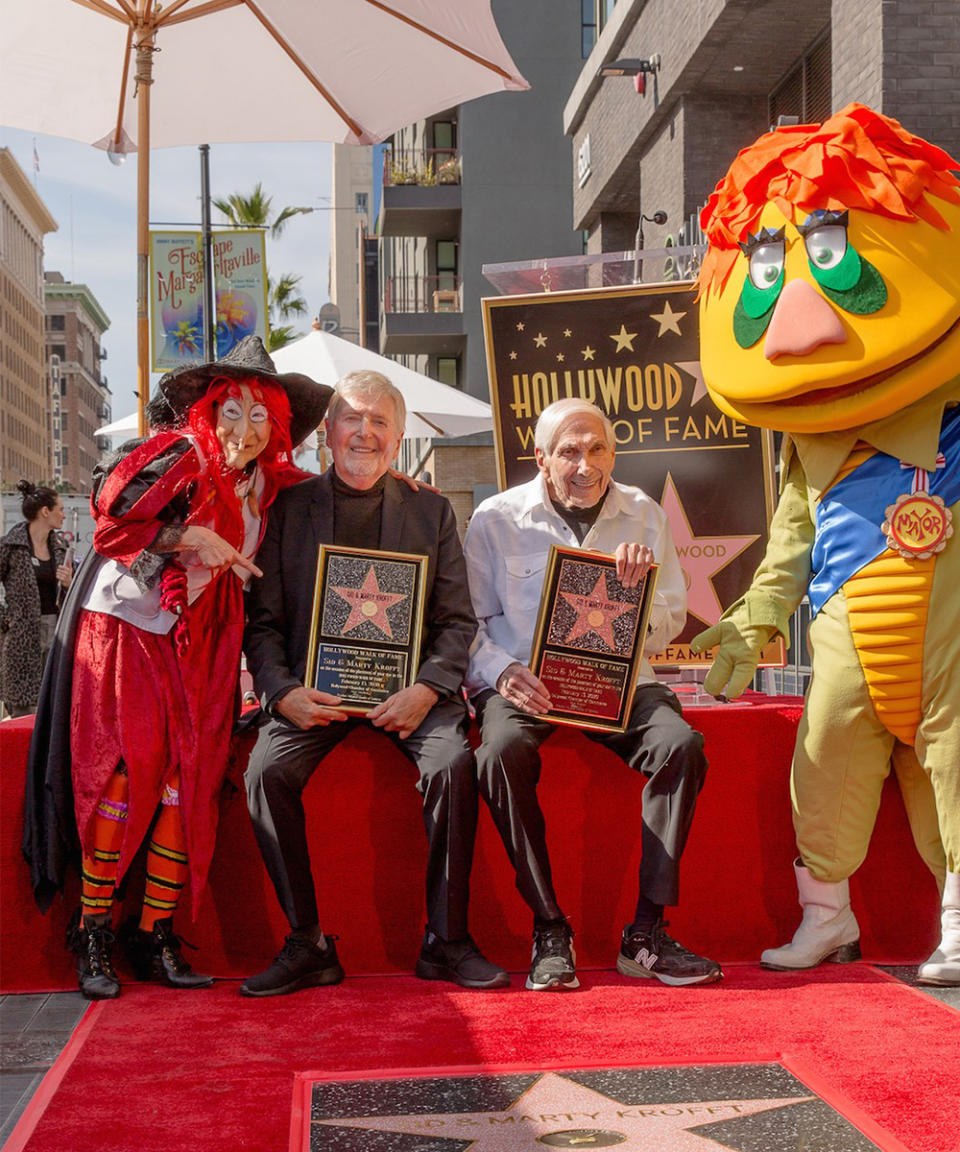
(857, 158)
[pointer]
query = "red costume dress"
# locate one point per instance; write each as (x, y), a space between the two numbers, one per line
(139, 696)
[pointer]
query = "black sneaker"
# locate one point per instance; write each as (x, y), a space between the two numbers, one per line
(654, 953)
(301, 964)
(460, 962)
(554, 960)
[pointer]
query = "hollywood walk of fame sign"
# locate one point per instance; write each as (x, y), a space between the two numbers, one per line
(635, 353)
(683, 1108)
(367, 624)
(588, 641)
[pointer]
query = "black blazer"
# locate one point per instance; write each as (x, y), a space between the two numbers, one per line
(281, 601)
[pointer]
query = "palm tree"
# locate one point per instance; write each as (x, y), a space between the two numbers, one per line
(283, 297)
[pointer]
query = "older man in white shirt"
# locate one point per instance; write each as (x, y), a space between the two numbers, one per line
(574, 502)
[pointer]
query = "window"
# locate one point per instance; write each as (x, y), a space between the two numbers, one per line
(58, 323)
(447, 265)
(588, 27)
(448, 370)
(361, 203)
(805, 90)
(59, 350)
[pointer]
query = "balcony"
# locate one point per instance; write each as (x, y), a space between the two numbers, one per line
(422, 315)
(421, 193)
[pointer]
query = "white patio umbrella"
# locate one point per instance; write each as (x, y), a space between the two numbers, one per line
(433, 409)
(128, 75)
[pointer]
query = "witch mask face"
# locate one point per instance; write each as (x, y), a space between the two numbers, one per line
(243, 425)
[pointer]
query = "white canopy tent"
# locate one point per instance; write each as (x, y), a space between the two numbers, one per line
(433, 409)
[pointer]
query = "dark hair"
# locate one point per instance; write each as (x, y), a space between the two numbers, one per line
(35, 498)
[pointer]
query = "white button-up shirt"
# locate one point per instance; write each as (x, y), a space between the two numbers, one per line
(506, 547)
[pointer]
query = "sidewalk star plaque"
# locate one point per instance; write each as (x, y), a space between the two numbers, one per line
(367, 624)
(589, 638)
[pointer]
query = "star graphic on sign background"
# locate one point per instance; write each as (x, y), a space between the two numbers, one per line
(699, 389)
(520, 325)
(539, 339)
(560, 1113)
(701, 557)
(668, 319)
(596, 612)
(368, 605)
(513, 355)
(561, 357)
(624, 339)
(588, 353)
(568, 332)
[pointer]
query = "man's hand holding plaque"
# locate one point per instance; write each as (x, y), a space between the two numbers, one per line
(589, 638)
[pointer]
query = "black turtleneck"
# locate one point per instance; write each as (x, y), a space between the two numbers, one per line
(581, 520)
(356, 514)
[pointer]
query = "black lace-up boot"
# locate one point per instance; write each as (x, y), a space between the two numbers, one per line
(92, 941)
(156, 955)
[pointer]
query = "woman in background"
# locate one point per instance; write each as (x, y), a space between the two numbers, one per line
(33, 574)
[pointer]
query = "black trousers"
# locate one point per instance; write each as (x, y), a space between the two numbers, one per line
(658, 742)
(284, 759)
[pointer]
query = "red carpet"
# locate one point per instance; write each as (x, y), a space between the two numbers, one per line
(210, 1072)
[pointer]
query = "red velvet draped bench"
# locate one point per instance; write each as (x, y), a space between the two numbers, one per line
(737, 894)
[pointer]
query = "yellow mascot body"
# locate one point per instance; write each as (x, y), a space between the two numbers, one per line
(830, 311)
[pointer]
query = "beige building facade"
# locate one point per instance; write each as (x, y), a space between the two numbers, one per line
(25, 424)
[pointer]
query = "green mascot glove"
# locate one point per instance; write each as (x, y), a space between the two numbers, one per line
(739, 647)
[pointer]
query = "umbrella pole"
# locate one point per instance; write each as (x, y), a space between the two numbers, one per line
(144, 79)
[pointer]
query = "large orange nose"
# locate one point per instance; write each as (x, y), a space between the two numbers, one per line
(802, 321)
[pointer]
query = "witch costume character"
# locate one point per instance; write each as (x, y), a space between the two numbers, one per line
(141, 691)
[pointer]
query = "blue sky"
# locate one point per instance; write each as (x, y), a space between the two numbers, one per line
(94, 204)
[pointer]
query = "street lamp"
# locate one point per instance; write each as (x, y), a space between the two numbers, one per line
(630, 66)
(659, 217)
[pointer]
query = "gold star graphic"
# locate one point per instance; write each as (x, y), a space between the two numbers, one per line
(520, 325)
(668, 319)
(567, 332)
(560, 357)
(513, 355)
(539, 339)
(624, 339)
(588, 353)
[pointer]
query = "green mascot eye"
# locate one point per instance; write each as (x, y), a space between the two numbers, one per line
(762, 285)
(844, 276)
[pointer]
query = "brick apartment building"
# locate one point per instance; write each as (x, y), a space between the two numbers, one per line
(722, 72)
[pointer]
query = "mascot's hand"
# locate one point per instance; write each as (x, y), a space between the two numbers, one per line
(739, 647)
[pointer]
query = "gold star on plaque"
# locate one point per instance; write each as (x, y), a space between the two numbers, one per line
(668, 319)
(624, 339)
(539, 339)
(588, 353)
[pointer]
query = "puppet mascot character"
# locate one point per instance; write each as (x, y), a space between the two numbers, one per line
(830, 311)
(138, 704)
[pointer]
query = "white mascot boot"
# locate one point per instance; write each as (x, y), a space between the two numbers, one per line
(943, 967)
(828, 930)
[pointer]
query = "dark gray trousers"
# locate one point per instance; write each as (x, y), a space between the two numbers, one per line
(285, 757)
(658, 742)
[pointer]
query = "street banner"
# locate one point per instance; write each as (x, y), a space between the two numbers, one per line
(177, 328)
(635, 353)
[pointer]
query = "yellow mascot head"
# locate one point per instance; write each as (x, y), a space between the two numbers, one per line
(830, 293)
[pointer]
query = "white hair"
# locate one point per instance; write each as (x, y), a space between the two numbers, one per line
(371, 386)
(555, 415)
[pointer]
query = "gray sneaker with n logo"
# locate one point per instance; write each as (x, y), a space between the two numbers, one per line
(652, 952)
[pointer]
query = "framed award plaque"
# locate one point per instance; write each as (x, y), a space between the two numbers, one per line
(367, 624)
(589, 639)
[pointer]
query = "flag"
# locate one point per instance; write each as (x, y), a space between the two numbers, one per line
(36, 156)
